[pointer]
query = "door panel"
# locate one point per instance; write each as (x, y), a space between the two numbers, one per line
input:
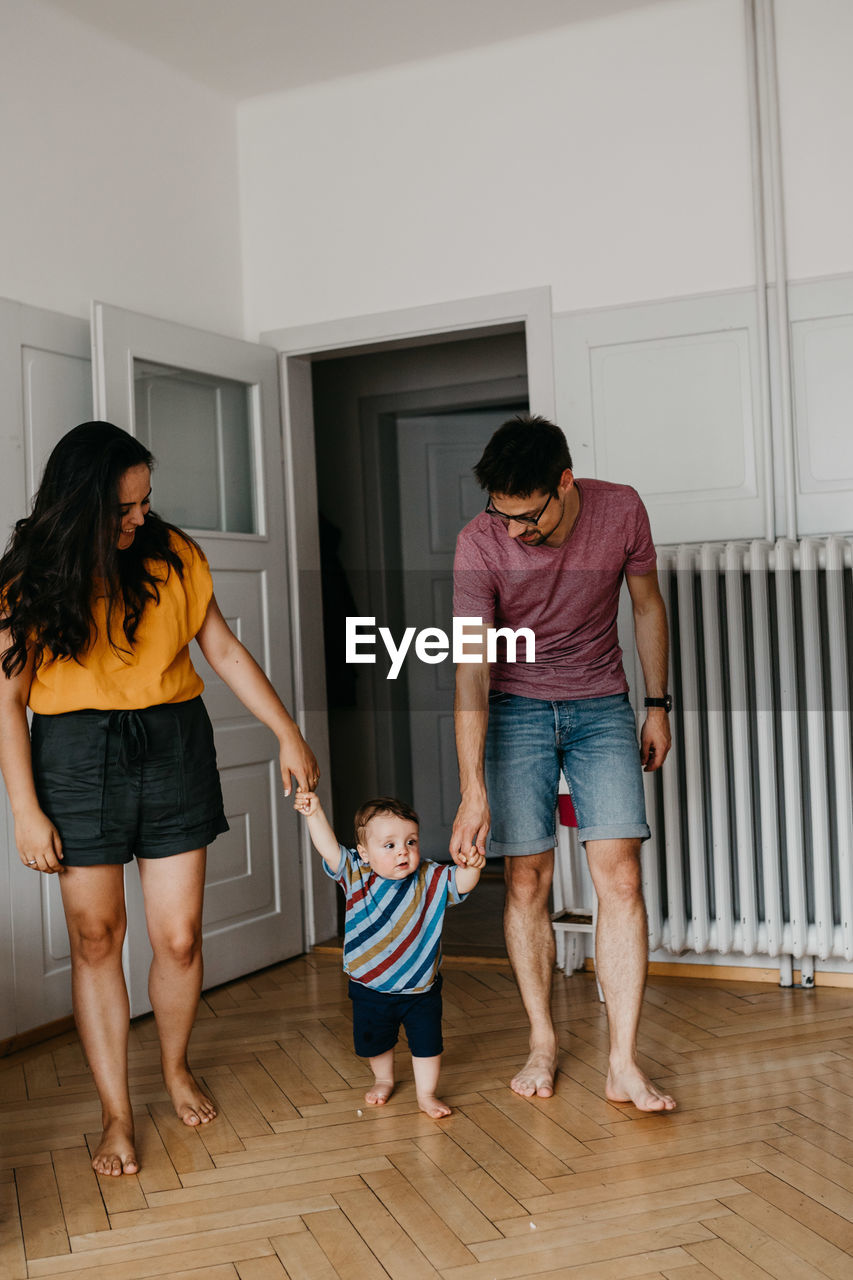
(209, 406)
(435, 456)
(57, 396)
(45, 389)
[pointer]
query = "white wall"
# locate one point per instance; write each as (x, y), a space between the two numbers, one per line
(815, 50)
(119, 177)
(609, 159)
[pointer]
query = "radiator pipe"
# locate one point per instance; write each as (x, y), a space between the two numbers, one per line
(759, 236)
(773, 208)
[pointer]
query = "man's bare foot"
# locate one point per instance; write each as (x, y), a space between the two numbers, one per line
(116, 1153)
(379, 1093)
(536, 1077)
(191, 1104)
(632, 1085)
(433, 1106)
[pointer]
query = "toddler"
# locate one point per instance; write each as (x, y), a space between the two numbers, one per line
(395, 907)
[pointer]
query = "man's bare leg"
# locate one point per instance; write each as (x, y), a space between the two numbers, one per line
(621, 960)
(532, 954)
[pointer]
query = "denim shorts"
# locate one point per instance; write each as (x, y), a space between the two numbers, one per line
(119, 783)
(377, 1016)
(592, 740)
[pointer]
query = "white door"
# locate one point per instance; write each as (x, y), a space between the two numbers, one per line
(45, 389)
(208, 408)
(438, 495)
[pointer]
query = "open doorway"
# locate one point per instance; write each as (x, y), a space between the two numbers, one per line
(396, 435)
(457, 356)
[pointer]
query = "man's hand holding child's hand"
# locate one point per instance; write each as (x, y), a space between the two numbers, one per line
(474, 858)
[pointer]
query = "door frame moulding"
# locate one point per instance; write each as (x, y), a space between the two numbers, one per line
(465, 317)
(298, 346)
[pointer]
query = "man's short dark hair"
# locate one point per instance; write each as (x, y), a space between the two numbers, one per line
(527, 454)
(374, 808)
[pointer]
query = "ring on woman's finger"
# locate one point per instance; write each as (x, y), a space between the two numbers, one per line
(31, 862)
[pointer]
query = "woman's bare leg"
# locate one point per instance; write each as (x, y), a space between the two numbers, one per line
(93, 898)
(173, 889)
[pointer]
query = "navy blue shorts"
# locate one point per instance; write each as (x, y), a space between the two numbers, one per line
(377, 1015)
(119, 783)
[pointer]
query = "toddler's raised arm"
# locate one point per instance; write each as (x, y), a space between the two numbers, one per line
(467, 877)
(323, 837)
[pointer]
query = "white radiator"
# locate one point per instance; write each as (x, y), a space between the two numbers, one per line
(752, 815)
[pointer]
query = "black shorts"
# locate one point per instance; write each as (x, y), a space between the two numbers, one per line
(377, 1015)
(119, 783)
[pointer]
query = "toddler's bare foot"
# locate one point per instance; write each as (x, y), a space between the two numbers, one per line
(433, 1106)
(116, 1153)
(191, 1104)
(379, 1093)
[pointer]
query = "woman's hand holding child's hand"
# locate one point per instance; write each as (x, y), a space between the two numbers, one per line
(306, 803)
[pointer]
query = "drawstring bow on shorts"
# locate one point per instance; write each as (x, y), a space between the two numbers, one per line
(133, 746)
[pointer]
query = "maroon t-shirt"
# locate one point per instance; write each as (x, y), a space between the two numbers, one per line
(568, 595)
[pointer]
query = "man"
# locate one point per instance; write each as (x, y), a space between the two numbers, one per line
(549, 553)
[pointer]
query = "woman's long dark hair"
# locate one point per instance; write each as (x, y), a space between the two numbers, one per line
(69, 543)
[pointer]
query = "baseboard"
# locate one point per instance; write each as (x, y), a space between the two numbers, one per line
(26, 1039)
(735, 973)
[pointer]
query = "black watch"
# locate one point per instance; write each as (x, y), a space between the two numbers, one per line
(665, 702)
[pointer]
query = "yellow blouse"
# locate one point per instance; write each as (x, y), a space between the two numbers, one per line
(158, 669)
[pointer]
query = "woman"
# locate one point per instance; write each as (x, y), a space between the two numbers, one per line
(100, 601)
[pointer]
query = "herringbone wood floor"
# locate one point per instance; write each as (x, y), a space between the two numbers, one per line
(752, 1177)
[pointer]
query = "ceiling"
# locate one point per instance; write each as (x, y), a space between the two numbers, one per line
(243, 48)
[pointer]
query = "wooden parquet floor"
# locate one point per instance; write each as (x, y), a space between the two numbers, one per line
(751, 1177)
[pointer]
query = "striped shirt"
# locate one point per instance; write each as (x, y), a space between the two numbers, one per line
(392, 930)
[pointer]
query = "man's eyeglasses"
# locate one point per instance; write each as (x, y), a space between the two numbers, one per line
(529, 520)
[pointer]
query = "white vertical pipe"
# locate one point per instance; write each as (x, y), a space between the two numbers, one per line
(841, 731)
(695, 799)
(815, 728)
(774, 224)
(789, 717)
(760, 252)
(676, 911)
(745, 853)
(758, 563)
(709, 563)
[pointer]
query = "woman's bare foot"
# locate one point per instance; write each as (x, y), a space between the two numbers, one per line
(379, 1093)
(116, 1152)
(536, 1077)
(433, 1106)
(632, 1085)
(191, 1104)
